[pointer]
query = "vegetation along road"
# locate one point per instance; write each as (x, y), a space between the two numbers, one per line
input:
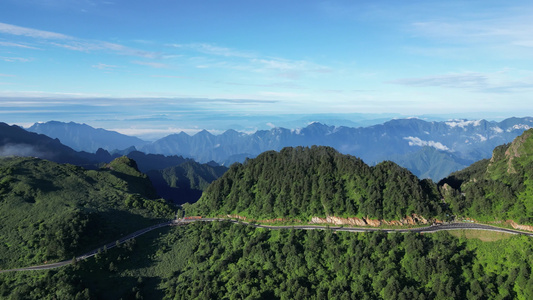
(427, 229)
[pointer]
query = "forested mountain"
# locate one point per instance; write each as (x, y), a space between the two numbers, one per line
(429, 162)
(498, 188)
(53, 211)
(319, 181)
(230, 261)
(82, 137)
(224, 260)
(459, 142)
(15, 140)
(184, 182)
(468, 141)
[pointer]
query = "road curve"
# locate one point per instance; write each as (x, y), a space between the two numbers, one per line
(93, 252)
(427, 229)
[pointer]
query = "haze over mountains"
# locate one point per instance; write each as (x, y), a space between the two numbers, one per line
(175, 178)
(428, 149)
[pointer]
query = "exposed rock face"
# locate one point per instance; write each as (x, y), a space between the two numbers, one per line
(262, 221)
(514, 150)
(409, 220)
(520, 227)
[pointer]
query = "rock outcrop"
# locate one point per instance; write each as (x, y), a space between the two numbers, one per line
(520, 227)
(409, 220)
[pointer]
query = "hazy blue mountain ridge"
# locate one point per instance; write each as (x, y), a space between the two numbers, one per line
(468, 141)
(458, 143)
(15, 141)
(82, 137)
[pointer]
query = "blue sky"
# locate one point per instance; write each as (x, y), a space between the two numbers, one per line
(162, 66)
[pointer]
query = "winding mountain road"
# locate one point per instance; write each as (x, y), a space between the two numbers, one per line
(178, 222)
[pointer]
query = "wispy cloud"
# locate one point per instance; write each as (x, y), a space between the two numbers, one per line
(152, 64)
(167, 76)
(467, 80)
(95, 99)
(72, 43)
(15, 59)
(499, 30)
(10, 44)
(215, 50)
(250, 61)
(6, 75)
(496, 82)
(102, 66)
(30, 32)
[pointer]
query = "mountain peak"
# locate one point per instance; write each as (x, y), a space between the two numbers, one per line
(203, 133)
(521, 146)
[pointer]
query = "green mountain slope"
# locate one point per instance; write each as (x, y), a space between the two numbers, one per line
(185, 182)
(51, 211)
(430, 163)
(230, 261)
(318, 181)
(497, 189)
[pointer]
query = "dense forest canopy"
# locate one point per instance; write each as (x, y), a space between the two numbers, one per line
(303, 182)
(53, 211)
(500, 188)
(231, 261)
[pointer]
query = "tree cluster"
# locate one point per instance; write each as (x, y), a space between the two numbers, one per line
(303, 182)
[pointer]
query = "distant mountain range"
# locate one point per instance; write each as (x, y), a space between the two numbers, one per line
(175, 178)
(82, 137)
(428, 149)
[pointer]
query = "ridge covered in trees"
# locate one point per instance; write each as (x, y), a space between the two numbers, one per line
(52, 211)
(221, 260)
(303, 182)
(499, 188)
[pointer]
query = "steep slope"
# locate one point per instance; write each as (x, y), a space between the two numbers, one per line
(185, 182)
(497, 189)
(15, 140)
(148, 162)
(53, 211)
(302, 183)
(82, 137)
(429, 162)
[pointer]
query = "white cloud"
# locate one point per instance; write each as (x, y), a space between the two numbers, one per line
(72, 43)
(215, 50)
(249, 61)
(151, 64)
(497, 82)
(504, 31)
(465, 80)
(519, 127)
(497, 129)
(102, 66)
(15, 59)
(415, 141)
(30, 32)
(10, 44)
(463, 123)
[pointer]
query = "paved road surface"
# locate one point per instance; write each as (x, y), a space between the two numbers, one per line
(427, 229)
(93, 252)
